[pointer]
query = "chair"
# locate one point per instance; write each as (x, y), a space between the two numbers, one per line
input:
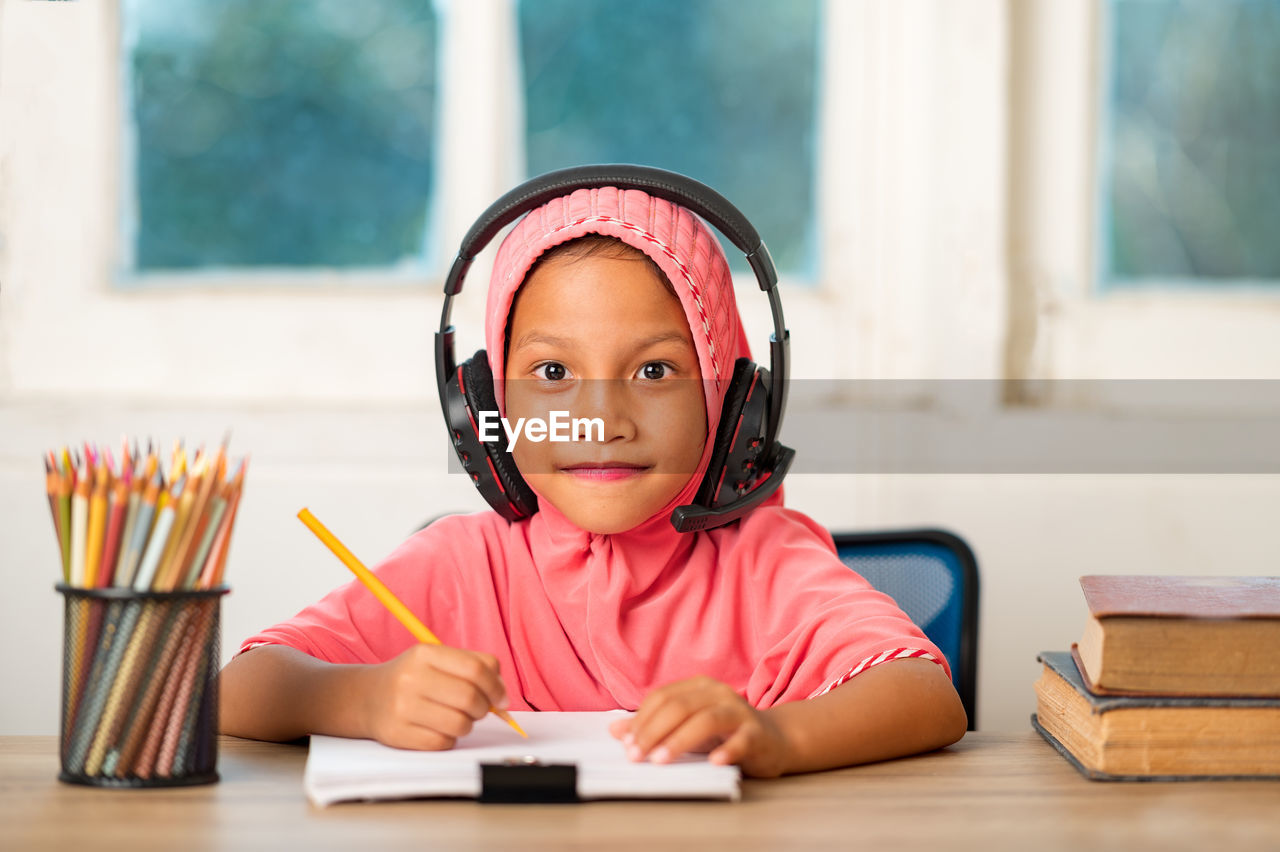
(933, 576)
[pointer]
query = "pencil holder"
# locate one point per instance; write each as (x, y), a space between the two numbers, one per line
(139, 687)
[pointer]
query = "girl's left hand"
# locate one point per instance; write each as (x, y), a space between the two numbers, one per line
(702, 714)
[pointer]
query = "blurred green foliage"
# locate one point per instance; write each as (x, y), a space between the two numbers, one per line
(724, 91)
(289, 132)
(1191, 164)
(301, 132)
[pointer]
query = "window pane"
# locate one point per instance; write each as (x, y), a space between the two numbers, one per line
(721, 90)
(291, 132)
(1191, 163)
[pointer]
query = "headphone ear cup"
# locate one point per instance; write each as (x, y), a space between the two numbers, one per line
(487, 462)
(480, 397)
(734, 467)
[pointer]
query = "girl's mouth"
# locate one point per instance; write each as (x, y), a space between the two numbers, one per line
(605, 471)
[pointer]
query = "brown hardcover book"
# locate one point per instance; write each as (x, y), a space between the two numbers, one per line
(1152, 737)
(1182, 635)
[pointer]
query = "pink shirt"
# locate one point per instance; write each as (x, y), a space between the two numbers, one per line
(580, 621)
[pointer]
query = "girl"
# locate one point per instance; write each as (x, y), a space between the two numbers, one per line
(751, 641)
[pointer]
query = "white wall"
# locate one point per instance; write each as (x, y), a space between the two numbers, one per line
(950, 251)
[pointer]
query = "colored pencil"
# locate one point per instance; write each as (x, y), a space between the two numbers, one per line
(142, 662)
(108, 724)
(79, 616)
(65, 484)
(194, 656)
(140, 532)
(92, 705)
(194, 529)
(137, 486)
(216, 562)
(52, 484)
(97, 524)
(159, 541)
(74, 613)
(211, 524)
(115, 521)
(185, 503)
(177, 461)
(175, 675)
(205, 674)
(383, 594)
(79, 525)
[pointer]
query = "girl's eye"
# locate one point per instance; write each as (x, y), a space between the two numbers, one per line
(654, 370)
(551, 371)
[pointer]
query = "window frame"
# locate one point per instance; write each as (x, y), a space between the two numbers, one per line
(1065, 323)
(892, 75)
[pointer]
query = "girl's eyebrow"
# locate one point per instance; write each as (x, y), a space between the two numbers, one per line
(538, 337)
(665, 337)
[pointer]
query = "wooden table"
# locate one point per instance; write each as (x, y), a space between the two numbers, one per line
(990, 791)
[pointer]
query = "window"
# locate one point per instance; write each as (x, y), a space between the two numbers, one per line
(301, 133)
(837, 167)
(290, 133)
(1190, 162)
(1137, 162)
(721, 90)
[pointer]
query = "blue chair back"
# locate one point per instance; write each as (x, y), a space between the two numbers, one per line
(933, 576)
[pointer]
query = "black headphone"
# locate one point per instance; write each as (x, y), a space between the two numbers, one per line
(747, 462)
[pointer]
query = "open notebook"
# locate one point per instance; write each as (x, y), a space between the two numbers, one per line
(343, 769)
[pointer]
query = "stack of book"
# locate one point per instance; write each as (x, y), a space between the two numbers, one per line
(1173, 678)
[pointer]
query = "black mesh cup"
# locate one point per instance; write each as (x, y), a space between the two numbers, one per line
(139, 687)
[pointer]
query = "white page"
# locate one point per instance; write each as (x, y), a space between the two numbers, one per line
(343, 769)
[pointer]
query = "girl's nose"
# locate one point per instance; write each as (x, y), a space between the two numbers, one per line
(611, 402)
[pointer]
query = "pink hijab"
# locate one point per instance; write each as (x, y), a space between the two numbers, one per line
(582, 621)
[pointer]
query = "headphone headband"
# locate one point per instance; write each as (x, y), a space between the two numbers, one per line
(671, 186)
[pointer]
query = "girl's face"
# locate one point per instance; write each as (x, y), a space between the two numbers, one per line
(603, 337)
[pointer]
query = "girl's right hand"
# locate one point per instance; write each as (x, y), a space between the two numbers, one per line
(430, 695)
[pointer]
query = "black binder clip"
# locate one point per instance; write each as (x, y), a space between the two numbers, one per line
(528, 779)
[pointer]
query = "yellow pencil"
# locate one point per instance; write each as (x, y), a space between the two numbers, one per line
(97, 524)
(181, 504)
(384, 595)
